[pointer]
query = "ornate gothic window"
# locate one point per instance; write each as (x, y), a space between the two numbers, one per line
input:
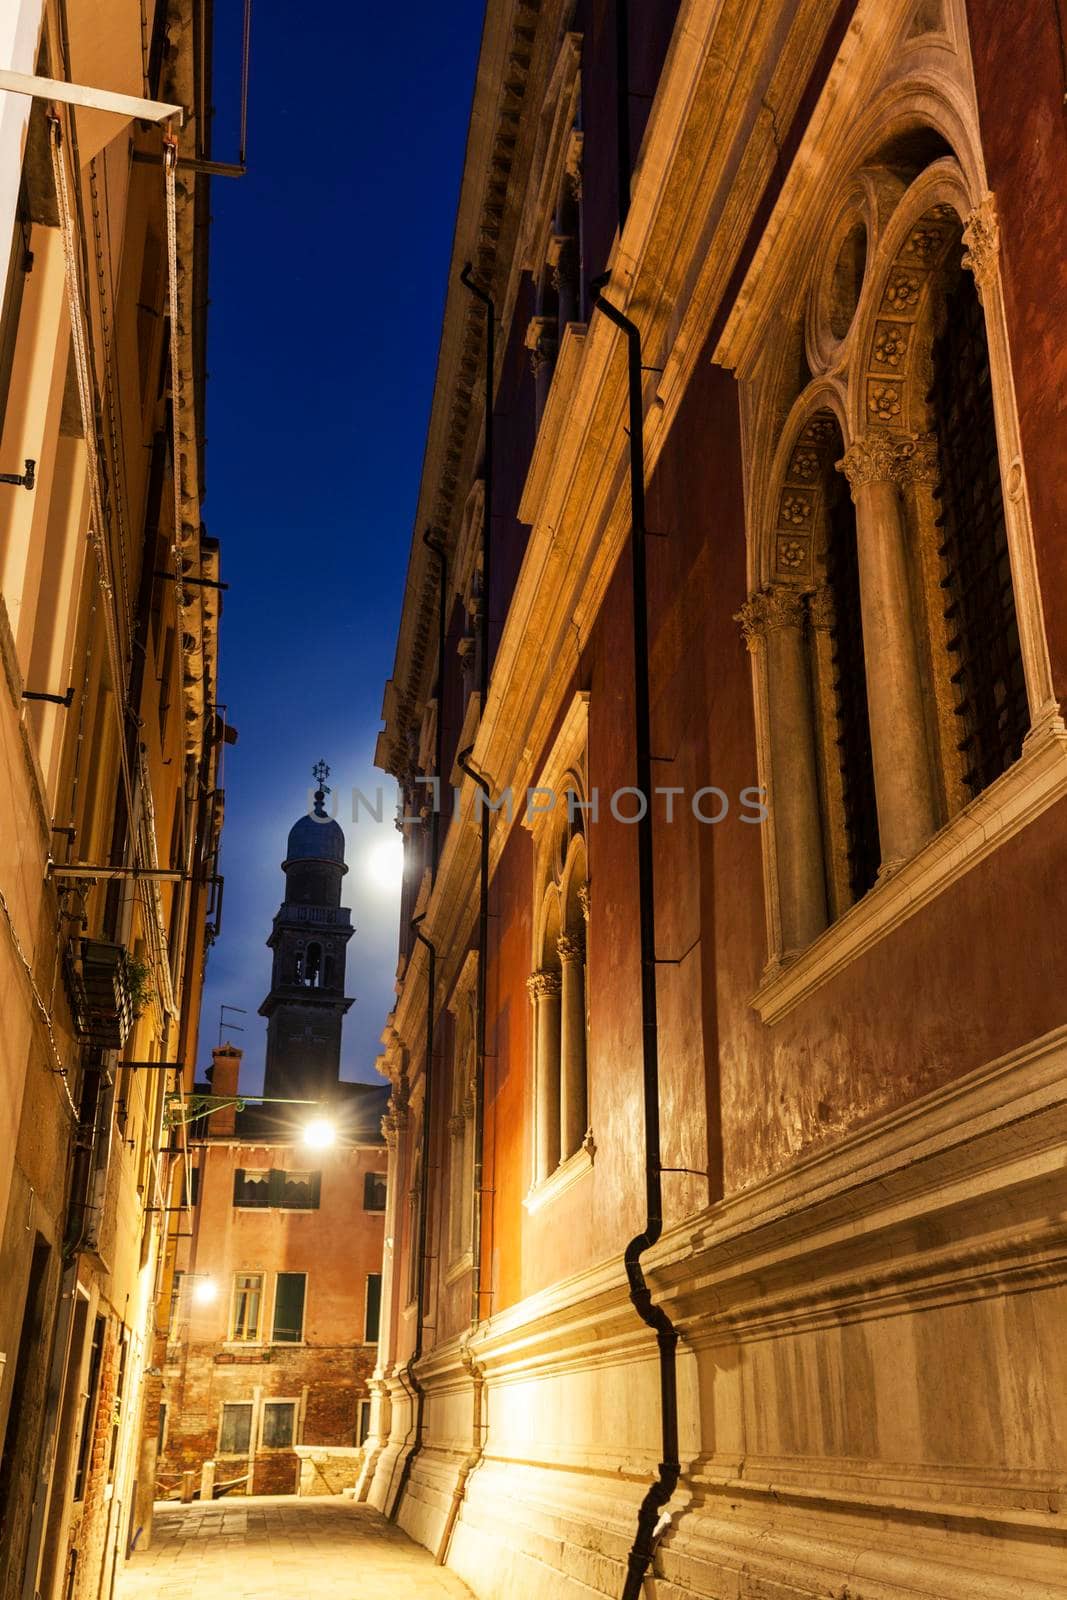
(461, 1122)
(983, 635)
(561, 1142)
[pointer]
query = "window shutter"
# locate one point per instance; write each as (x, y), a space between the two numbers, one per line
(238, 1185)
(374, 1306)
(289, 1307)
(316, 1189)
(276, 1188)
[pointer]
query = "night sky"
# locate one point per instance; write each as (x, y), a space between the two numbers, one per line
(329, 262)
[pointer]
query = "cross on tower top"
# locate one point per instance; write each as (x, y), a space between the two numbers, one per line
(320, 772)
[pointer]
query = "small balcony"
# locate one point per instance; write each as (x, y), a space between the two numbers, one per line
(104, 989)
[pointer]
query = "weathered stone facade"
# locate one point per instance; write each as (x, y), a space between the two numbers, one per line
(840, 262)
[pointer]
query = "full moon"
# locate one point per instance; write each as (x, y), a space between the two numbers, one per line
(385, 864)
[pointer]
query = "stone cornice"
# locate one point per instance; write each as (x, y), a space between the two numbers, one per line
(673, 262)
(517, 44)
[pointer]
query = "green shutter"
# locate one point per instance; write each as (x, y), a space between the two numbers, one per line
(374, 1308)
(289, 1307)
(238, 1185)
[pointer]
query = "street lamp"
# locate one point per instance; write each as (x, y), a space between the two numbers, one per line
(320, 1133)
(205, 1291)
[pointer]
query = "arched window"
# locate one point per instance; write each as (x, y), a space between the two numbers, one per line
(558, 990)
(312, 973)
(983, 635)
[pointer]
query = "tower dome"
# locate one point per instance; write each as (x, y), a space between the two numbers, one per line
(315, 836)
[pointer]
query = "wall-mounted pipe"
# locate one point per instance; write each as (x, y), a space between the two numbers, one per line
(463, 762)
(487, 467)
(421, 1246)
(666, 1334)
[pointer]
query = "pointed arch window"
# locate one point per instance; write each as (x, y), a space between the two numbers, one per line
(983, 635)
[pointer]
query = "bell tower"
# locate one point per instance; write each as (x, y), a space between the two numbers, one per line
(307, 1001)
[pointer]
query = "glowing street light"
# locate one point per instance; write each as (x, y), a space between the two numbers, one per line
(319, 1133)
(205, 1291)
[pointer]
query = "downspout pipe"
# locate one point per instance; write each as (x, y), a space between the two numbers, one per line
(424, 1211)
(463, 762)
(487, 520)
(657, 1319)
(438, 550)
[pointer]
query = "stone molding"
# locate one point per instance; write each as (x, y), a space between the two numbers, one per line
(1026, 790)
(566, 1175)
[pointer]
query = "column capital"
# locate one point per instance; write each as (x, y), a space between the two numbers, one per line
(546, 981)
(871, 458)
(981, 239)
(917, 460)
(571, 947)
(583, 900)
(779, 606)
(821, 612)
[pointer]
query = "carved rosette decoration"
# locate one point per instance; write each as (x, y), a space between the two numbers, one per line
(981, 239)
(546, 981)
(571, 947)
(767, 609)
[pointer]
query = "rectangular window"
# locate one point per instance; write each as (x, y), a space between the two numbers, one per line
(289, 1191)
(175, 1308)
(289, 1296)
(251, 1188)
(247, 1305)
(161, 1437)
(296, 1191)
(364, 1421)
(374, 1191)
(373, 1313)
(89, 1394)
(235, 1434)
(279, 1424)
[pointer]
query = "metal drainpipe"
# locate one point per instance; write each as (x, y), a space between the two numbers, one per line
(428, 1074)
(641, 1296)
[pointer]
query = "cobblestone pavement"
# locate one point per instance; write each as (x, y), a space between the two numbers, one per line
(282, 1548)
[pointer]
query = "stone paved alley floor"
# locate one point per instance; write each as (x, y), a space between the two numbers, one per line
(279, 1548)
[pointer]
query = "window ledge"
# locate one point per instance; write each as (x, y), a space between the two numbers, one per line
(566, 1175)
(1036, 781)
(459, 1267)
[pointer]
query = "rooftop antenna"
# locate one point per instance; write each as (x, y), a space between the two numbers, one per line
(233, 1027)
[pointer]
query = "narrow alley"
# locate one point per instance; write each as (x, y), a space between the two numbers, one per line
(277, 1546)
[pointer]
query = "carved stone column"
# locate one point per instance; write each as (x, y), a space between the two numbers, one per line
(573, 1108)
(902, 778)
(544, 988)
(773, 622)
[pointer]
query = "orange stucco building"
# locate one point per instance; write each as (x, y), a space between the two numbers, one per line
(269, 1330)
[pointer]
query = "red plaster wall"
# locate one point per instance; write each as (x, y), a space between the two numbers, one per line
(1019, 75)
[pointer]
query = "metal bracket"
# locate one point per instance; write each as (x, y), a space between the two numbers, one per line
(56, 699)
(22, 480)
(200, 583)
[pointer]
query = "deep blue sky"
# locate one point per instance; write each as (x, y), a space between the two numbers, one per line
(329, 262)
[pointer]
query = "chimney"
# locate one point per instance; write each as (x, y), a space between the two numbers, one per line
(223, 1074)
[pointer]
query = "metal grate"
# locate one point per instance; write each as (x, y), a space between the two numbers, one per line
(980, 602)
(850, 692)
